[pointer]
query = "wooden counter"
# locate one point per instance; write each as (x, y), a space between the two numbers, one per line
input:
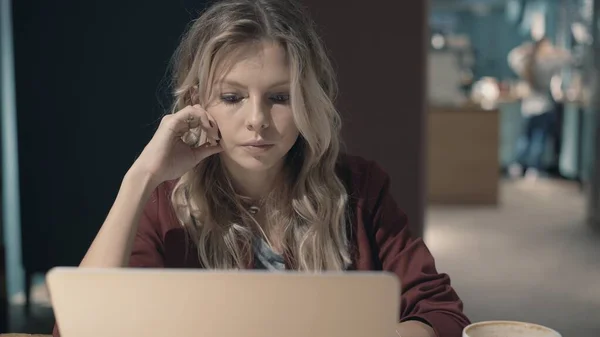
(462, 155)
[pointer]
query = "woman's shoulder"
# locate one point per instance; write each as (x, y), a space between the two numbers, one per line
(161, 195)
(358, 167)
(159, 209)
(362, 177)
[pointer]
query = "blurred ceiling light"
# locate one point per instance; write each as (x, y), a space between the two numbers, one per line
(438, 41)
(486, 92)
(538, 25)
(580, 33)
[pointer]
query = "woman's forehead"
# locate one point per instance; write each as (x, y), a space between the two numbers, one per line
(255, 62)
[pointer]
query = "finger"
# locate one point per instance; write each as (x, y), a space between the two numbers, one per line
(186, 119)
(204, 122)
(195, 138)
(190, 138)
(208, 123)
(203, 138)
(214, 125)
(181, 121)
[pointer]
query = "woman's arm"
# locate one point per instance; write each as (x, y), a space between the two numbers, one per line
(165, 157)
(113, 244)
(427, 298)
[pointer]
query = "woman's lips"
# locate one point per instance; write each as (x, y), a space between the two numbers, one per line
(257, 148)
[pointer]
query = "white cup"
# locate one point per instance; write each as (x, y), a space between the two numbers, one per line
(508, 329)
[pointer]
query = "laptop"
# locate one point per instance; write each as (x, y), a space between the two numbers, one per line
(192, 303)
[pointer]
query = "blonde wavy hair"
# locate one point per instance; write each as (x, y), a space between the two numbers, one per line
(309, 206)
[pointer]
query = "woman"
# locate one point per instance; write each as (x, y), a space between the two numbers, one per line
(537, 64)
(246, 171)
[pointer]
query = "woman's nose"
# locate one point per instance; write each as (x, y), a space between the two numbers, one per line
(258, 118)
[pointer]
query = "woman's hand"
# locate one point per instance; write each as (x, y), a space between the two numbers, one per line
(167, 156)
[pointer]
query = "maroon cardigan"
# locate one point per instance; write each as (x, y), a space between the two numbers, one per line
(379, 234)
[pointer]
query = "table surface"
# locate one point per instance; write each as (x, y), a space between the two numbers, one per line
(22, 335)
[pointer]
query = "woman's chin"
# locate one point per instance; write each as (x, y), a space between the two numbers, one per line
(252, 162)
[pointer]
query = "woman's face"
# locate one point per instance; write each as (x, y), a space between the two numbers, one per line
(251, 105)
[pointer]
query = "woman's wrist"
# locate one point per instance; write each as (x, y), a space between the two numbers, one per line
(414, 328)
(141, 178)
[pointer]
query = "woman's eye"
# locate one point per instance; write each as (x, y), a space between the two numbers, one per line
(280, 98)
(231, 98)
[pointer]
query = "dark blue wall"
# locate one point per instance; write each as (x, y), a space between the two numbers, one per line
(492, 34)
(87, 74)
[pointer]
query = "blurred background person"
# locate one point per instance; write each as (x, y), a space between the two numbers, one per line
(537, 64)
